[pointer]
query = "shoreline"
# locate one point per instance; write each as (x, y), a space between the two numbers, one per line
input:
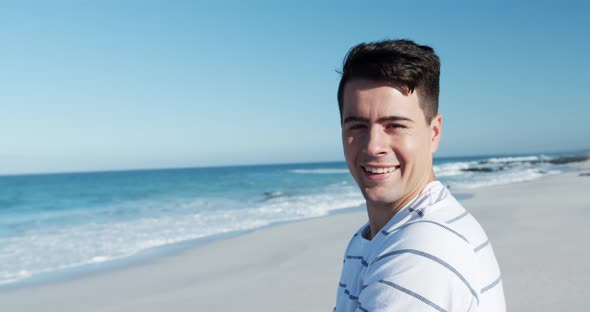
(258, 271)
(149, 256)
(153, 254)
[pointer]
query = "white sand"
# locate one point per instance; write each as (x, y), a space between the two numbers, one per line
(538, 229)
(540, 233)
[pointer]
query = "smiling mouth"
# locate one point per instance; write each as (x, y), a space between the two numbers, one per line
(379, 170)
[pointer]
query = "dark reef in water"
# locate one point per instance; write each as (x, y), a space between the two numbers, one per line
(271, 195)
(489, 166)
(564, 160)
(482, 169)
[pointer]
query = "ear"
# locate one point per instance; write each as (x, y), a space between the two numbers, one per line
(436, 130)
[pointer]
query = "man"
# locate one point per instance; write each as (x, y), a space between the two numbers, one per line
(420, 250)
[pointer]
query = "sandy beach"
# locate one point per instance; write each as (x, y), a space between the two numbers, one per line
(538, 230)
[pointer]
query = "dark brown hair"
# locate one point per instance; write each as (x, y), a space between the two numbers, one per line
(406, 65)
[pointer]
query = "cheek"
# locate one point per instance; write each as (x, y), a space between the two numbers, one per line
(405, 149)
(349, 138)
(348, 146)
(410, 153)
(349, 143)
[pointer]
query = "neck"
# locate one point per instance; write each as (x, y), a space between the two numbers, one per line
(380, 214)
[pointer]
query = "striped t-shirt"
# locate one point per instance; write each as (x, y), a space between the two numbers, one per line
(431, 256)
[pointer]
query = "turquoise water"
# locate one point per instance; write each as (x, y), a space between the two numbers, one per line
(58, 222)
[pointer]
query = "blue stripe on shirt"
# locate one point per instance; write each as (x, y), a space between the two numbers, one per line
(433, 258)
(427, 221)
(413, 294)
(492, 285)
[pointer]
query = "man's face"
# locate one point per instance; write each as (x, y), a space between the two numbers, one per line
(387, 143)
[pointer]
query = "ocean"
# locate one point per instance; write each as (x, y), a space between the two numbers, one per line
(52, 224)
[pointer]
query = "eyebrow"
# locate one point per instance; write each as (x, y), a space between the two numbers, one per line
(380, 120)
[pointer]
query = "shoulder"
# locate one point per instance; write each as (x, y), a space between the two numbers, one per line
(428, 238)
(435, 257)
(434, 230)
(435, 250)
(426, 260)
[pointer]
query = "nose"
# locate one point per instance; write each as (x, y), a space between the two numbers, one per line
(376, 142)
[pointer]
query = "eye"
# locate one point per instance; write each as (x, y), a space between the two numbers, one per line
(395, 126)
(356, 126)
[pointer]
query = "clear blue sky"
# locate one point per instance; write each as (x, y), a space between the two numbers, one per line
(93, 85)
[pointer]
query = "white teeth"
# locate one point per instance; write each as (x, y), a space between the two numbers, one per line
(380, 170)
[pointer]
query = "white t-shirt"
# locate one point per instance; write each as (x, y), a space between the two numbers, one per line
(431, 256)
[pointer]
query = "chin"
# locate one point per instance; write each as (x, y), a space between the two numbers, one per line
(380, 197)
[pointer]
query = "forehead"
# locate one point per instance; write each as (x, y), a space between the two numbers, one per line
(373, 99)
